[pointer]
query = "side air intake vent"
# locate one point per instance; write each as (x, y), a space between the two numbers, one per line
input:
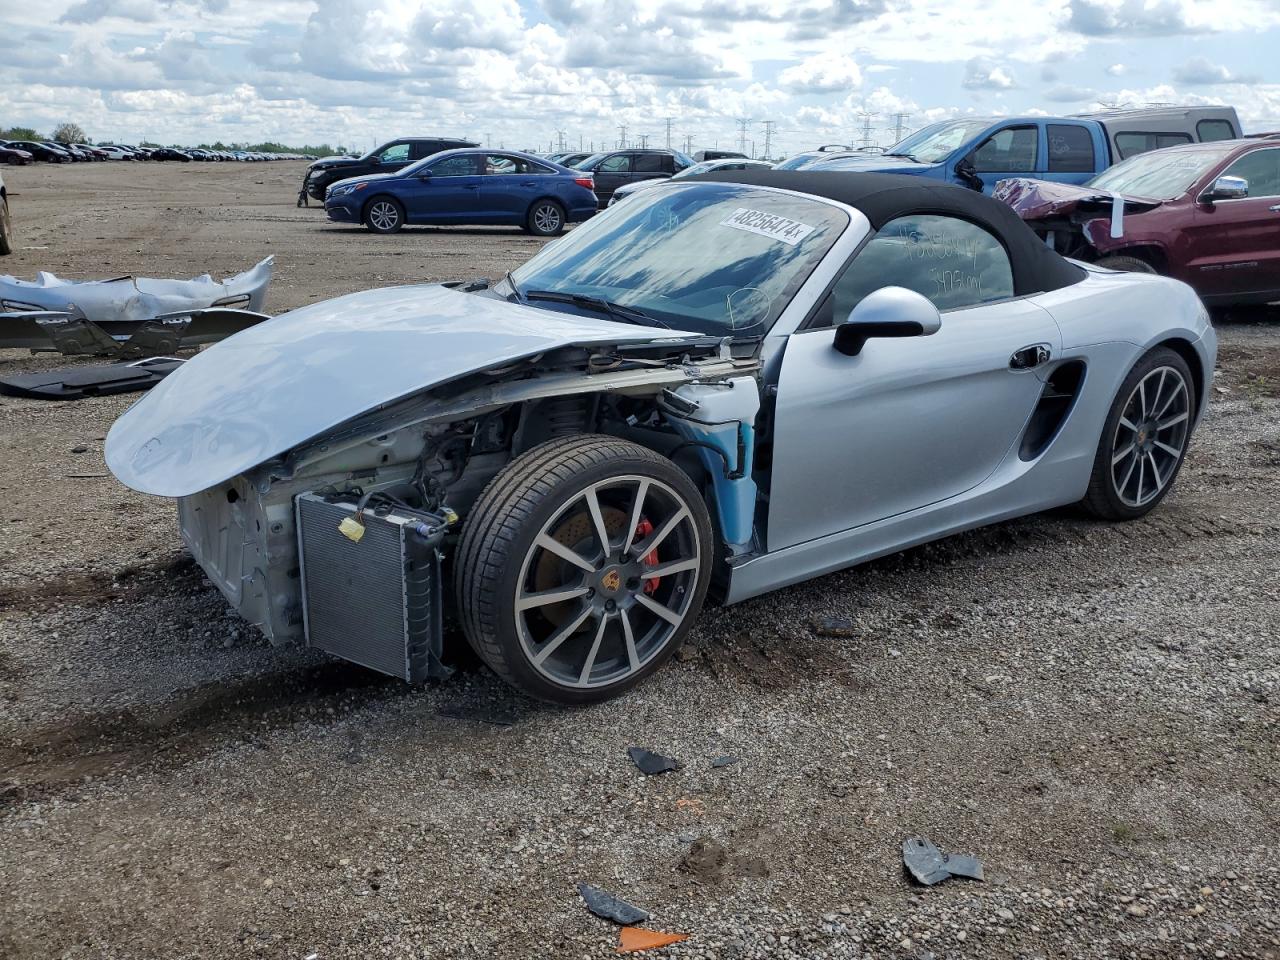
(1056, 401)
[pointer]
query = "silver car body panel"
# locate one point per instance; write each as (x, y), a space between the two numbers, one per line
(270, 388)
(135, 299)
(1108, 321)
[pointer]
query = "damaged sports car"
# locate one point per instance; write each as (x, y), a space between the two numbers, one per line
(726, 386)
(129, 316)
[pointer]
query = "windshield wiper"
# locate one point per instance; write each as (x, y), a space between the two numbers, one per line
(511, 282)
(615, 310)
(907, 155)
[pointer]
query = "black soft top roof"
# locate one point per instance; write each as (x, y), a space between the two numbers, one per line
(887, 196)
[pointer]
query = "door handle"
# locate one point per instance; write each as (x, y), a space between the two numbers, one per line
(528, 183)
(472, 186)
(1029, 357)
(1275, 209)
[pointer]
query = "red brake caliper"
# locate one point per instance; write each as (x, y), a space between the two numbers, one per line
(643, 529)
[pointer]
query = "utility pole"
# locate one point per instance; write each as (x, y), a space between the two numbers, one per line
(644, 141)
(579, 143)
(560, 141)
(488, 141)
(688, 143)
(670, 120)
(622, 135)
(768, 136)
(742, 133)
(900, 126)
(866, 139)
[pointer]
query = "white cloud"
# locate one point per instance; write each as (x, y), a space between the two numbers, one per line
(825, 72)
(983, 74)
(1201, 71)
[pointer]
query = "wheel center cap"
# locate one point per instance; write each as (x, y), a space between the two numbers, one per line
(611, 580)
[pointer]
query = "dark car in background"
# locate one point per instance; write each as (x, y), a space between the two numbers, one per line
(169, 153)
(41, 151)
(14, 155)
(703, 166)
(702, 156)
(470, 186)
(617, 168)
(388, 158)
(1207, 214)
(570, 159)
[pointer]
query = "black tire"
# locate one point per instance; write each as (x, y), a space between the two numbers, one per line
(500, 561)
(384, 215)
(545, 218)
(1127, 264)
(1109, 496)
(6, 229)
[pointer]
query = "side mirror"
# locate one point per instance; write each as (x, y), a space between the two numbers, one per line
(1226, 188)
(887, 312)
(424, 174)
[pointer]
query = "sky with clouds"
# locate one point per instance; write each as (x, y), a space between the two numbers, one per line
(521, 73)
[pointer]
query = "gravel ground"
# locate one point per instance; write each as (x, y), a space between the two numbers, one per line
(1090, 709)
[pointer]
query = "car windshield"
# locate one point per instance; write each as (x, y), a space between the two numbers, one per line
(717, 258)
(591, 162)
(796, 162)
(696, 169)
(938, 141)
(1160, 174)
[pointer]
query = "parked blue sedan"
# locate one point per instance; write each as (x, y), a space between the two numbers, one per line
(467, 187)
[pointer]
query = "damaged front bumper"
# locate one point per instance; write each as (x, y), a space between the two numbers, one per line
(129, 316)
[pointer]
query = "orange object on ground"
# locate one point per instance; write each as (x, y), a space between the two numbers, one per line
(635, 939)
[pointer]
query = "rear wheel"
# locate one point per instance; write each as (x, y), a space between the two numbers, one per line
(582, 566)
(6, 228)
(1145, 438)
(546, 218)
(1127, 264)
(384, 215)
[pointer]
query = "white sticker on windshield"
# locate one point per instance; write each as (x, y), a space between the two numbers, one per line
(768, 225)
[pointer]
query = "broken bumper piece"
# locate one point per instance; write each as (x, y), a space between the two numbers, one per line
(48, 330)
(129, 316)
(98, 380)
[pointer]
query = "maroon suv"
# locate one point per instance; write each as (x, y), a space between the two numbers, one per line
(1205, 213)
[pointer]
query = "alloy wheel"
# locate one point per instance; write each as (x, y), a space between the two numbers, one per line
(607, 582)
(1151, 436)
(384, 215)
(546, 218)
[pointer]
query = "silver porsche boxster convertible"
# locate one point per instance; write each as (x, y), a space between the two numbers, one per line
(726, 385)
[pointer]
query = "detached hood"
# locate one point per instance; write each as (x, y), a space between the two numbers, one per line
(276, 385)
(1038, 199)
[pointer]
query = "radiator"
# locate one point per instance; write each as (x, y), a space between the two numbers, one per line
(376, 602)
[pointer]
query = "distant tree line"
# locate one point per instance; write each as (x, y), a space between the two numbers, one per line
(74, 133)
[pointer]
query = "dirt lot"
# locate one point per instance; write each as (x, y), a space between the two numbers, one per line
(1091, 709)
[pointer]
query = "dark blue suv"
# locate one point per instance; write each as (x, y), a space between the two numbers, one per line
(467, 187)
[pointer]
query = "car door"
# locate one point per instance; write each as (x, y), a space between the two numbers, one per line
(451, 194)
(1012, 151)
(395, 156)
(908, 422)
(652, 166)
(1234, 245)
(511, 184)
(611, 173)
(1070, 153)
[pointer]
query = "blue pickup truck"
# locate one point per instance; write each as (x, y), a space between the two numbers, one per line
(978, 152)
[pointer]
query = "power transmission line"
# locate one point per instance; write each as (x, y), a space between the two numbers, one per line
(670, 120)
(900, 126)
(742, 133)
(768, 136)
(866, 140)
(622, 135)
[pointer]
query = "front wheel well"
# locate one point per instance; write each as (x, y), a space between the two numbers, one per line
(1187, 352)
(1149, 254)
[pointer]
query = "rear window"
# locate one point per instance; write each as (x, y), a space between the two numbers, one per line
(1132, 144)
(1070, 149)
(653, 163)
(1208, 130)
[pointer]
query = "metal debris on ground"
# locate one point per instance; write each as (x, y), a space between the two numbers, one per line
(724, 760)
(608, 907)
(833, 627)
(928, 865)
(97, 380)
(651, 763)
(635, 939)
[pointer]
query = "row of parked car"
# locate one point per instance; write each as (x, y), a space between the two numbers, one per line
(1175, 191)
(20, 152)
